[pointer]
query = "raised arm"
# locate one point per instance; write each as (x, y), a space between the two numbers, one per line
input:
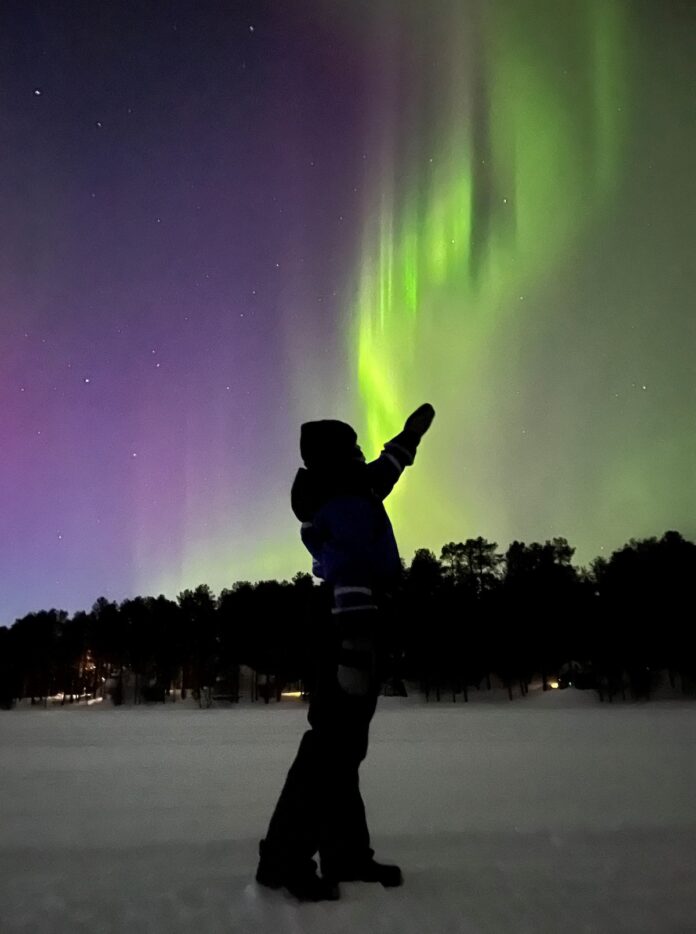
(400, 452)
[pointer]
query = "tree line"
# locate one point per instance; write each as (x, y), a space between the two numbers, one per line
(455, 621)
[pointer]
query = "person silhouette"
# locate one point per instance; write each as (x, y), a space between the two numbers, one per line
(338, 498)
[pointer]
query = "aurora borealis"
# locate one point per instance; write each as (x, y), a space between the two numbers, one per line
(223, 220)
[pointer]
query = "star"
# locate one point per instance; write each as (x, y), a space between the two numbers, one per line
(37, 92)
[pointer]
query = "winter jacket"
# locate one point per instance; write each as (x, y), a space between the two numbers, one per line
(345, 526)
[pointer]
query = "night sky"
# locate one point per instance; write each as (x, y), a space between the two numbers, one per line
(221, 220)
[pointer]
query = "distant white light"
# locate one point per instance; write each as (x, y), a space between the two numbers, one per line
(37, 92)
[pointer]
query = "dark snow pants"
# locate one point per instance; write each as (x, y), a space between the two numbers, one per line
(320, 807)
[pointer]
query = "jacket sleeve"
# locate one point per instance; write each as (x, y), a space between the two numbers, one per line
(396, 455)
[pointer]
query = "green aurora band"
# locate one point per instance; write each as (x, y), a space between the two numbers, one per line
(496, 197)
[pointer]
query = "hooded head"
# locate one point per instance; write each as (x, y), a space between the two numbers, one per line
(328, 443)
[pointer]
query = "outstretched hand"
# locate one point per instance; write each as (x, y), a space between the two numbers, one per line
(421, 419)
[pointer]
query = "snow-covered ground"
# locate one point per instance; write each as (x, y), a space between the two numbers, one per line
(553, 813)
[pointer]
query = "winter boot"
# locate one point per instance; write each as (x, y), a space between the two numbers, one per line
(300, 880)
